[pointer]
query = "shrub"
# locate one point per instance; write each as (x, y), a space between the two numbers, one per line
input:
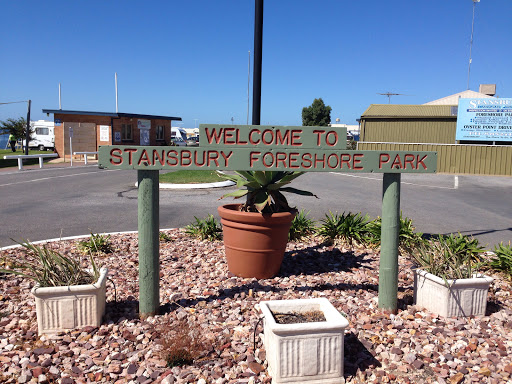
(302, 226)
(502, 261)
(182, 343)
(446, 257)
(347, 227)
(164, 237)
(407, 241)
(49, 268)
(96, 244)
(464, 246)
(205, 229)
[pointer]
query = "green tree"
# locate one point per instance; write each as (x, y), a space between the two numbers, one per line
(15, 126)
(317, 114)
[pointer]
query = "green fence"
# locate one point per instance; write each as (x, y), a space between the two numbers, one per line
(458, 158)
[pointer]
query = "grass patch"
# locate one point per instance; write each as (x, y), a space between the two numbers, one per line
(190, 177)
(4, 163)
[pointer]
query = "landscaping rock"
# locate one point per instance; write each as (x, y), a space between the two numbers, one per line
(412, 345)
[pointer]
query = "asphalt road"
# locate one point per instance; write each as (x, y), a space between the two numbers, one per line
(46, 203)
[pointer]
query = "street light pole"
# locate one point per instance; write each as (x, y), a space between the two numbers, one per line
(471, 41)
(258, 47)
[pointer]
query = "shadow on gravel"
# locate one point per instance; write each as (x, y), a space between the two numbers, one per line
(124, 309)
(357, 356)
(244, 291)
(310, 261)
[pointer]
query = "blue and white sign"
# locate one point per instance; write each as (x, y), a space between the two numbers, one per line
(486, 119)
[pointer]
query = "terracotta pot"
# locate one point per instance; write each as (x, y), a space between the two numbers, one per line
(254, 242)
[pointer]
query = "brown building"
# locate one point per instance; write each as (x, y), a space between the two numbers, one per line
(89, 130)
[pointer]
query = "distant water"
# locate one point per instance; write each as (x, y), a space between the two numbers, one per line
(3, 141)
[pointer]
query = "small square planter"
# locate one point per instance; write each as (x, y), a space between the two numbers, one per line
(63, 308)
(461, 298)
(304, 352)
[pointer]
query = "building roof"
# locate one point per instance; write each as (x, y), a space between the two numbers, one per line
(454, 99)
(388, 111)
(110, 114)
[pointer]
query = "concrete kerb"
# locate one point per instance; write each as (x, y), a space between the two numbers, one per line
(219, 184)
(72, 238)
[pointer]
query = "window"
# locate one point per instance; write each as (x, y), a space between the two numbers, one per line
(42, 131)
(126, 132)
(160, 132)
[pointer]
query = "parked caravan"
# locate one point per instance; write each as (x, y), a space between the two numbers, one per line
(178, 136)
(42, 135)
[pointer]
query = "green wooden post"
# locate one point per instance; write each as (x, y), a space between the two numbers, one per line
(148, 223)
(390, 230)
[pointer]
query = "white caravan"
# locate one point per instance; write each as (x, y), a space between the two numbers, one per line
(178, 136)
(42, 135)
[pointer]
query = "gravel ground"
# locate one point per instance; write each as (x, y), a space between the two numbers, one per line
(200, 297)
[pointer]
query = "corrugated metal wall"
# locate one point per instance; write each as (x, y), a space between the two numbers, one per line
(458, 159)
(409, 130)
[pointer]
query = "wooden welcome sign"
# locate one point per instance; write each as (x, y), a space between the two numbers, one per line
(267, 148)
(264, 148)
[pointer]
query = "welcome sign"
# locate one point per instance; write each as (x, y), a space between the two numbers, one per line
(267, 148)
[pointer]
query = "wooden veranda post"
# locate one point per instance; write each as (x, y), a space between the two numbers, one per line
(390, 230)
(149, 245)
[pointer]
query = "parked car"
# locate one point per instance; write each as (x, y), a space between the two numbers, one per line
(193, 141)
(178, 141)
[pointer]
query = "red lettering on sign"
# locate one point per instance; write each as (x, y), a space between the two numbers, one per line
(317, 160)
(253, 158)
(397, 163)
(335, 141)
(296, 137)
(238, 141)
(226, 157)
(409, 159)
(117, 155)
(229, 135)
(383, 159)
(266, 141)
(357, 158)
(213, 156)
(172, 155)
(271, 159)
(144, 157)
(307, 159)
(318, 136)
(156, 156)
(345, 159)
(283, 139)
(420, 161)
(196, 160)
(294, 160)
(214, 135)
(130, 152)
(281, 157)
(185, 158)
(253, 142)
(332, 155)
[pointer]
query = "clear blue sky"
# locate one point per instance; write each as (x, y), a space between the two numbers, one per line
(190, 58)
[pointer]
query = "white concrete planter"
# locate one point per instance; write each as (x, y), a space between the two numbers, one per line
(63, 308)
(462, 297)
(304, 352)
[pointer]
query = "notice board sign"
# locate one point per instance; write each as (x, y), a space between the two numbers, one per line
(484, 119)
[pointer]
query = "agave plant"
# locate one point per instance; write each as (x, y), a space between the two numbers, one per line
(263, 190)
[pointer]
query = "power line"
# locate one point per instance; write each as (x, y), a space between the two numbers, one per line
(14, 102)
